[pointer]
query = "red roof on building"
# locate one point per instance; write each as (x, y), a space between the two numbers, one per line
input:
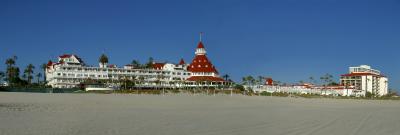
(70, 55)
(201, 63)
(158, 66)
(200, 45)
(206, 78)
(50, 63)
(65, 56)
(182, 62)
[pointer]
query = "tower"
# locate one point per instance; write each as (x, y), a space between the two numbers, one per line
(201, 67)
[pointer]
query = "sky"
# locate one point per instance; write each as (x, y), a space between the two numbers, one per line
(288, 40)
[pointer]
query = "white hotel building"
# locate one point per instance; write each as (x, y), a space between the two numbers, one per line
(366, 79)
(357, 82)
(70, 71)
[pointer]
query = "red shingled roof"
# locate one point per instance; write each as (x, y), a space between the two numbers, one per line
(70, 55)
(201, 63)
(158, 66)
(200, 45)
(65, 56)
(50, 63)
(205, 78)
(182, 62)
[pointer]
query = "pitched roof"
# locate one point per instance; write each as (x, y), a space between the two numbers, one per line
(200, 45)
(70, 55)
(205, 78)
(65, 56)
(201, 63)
(182, 62)
(158, 66)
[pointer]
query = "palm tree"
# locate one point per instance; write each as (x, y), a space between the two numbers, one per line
(103, 60)
(244, 80)
(44, 67)
(12, 72)
(10, 62)
(38, 75)
(226, 77)
(260, 79)
(1, 75)
(312, 80)
(136, 63)
(29, 71)
(150, 63)
(250, 80)
(301, 82)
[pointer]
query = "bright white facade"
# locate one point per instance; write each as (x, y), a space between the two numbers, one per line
(366, 79)
(70, 71)
(307, 89)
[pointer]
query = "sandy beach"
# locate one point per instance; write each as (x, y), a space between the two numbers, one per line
(124, 114)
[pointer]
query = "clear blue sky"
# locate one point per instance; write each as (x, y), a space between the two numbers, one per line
(289, 40)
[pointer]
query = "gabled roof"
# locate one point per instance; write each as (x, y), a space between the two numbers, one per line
(69, 56)
(158, 66)
(65, 56)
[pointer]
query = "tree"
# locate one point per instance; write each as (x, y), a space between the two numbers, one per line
(250, 80)
(244, 80)
(28, 72)
(301, 82)
(38, 76)
(149, 64)
(312, 80)
(226, 77)
(44, 67)
(103, 60)
(1, 75)
(11, 61)
(136, 63)
(327, 79)
(260, 79)
(12, 72)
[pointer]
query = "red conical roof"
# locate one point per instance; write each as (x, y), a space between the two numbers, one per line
(200, 45)
(182, 62)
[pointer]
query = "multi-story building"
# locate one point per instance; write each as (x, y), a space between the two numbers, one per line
(70, 71)
(366, 79)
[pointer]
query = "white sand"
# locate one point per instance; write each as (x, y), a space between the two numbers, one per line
(102, 114)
